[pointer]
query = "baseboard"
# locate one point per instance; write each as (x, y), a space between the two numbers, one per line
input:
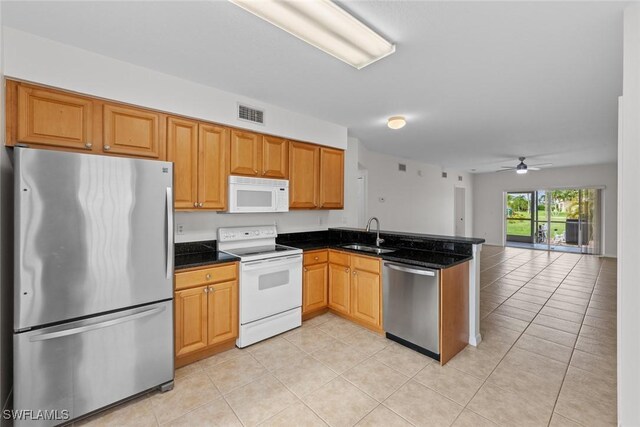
(475, 340)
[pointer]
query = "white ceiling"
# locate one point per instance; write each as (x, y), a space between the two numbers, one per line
(481, 83)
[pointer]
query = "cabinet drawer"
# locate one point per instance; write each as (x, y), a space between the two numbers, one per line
(203, 276)
(315, 257)
(365, 263)
(341, 258)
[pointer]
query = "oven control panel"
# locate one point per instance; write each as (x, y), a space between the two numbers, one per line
(232, 234)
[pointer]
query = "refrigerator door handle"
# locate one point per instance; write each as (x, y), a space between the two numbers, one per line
(100, 325)
(169, 232)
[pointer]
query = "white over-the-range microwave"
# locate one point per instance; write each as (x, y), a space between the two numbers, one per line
(247, 195)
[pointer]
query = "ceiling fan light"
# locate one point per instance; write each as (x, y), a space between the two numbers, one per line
(396, 122)
(521, 171)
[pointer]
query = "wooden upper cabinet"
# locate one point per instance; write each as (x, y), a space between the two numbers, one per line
(48, 117)
(182, 150)
(245, 153)
(223, 312)
(213, 166)
(303, 169)
(191, 320)
(131, 131)
(331, 178)
(275, 157)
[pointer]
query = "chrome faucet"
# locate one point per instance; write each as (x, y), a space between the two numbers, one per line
(378, 239)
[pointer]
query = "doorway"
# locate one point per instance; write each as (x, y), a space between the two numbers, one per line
(567, 220)
(459, 208)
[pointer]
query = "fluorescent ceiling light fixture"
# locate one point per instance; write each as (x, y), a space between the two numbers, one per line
(396, 122)
(325, 25)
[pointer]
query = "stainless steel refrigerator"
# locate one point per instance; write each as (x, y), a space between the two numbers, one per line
(93, 290)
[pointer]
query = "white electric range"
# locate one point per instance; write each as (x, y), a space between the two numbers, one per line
(270, 288)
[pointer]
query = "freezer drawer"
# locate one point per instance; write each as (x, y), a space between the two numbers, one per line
(86, 365)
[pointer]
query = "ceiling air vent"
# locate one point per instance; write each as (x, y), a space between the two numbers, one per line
(444, 174)
(250, 114)
(402, 167)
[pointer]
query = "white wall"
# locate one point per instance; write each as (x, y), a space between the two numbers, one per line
(488, 189)
(413, 203)
(36, 59)
(204, 225)
(629, 226)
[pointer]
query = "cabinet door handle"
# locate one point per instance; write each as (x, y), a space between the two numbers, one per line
(355, 272)
(306, 269)
(208, 276)
(264, 173)
(211, 289)
(200, 204)
(107, 147)
(316, 258)
(206, 290)
(255, 171)
(88, 145)
(195, 204)
(346, 270)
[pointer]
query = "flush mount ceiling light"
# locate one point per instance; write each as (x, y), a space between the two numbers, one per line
(396, 122)
(325, 25)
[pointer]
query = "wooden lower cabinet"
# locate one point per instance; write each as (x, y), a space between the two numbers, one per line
(366, 301)
(206, 312)
(314, 289)
(339, 287)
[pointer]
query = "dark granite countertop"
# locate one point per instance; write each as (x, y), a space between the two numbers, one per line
(436, 237)
(199, 254)
(410, 249)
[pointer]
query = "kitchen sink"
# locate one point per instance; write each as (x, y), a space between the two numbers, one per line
(367, 248)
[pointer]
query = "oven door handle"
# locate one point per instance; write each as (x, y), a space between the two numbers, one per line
(271, 262)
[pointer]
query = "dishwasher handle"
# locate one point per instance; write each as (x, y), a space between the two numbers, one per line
(412, 270)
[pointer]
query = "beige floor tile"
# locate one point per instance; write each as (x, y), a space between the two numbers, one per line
(535, 299)
(605, 336)
(562, 314)
(305, 375)
(595, 406)
(451, 383)
(529, 375)
(422, 406)
(340, 403)
(235, 373)
(509, 409)
(339, 356)
(188, 394)
(523, 305)
(216, 359)
(555, 323)
(403, 359)
(214, 414)
(383, 417)
(602, 314)
(366, 342)
(595, 347)
(376, 379)
(558, 420)
(546, 348)
(339, 328)
(260, 400)
(515, 313)
(564, 305)
(137, 412)
(318, 320)
(470, 419)
(507, 322)
(185, 371)
(597, 322)
(276, 353)
(550, 334)
(600, 365)
(310, 340)
(297, 414)
(476, 361)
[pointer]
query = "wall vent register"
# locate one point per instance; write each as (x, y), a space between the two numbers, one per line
(250, 114)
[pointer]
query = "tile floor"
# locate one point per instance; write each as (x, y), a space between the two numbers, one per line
(548, 357)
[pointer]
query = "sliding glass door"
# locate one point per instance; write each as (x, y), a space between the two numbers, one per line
(567, 220)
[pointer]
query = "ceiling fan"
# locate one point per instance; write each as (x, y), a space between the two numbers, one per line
(522, 167)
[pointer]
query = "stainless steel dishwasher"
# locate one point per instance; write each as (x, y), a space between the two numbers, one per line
(411, 298)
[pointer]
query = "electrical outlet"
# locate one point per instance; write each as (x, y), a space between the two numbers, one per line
(179, 229)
